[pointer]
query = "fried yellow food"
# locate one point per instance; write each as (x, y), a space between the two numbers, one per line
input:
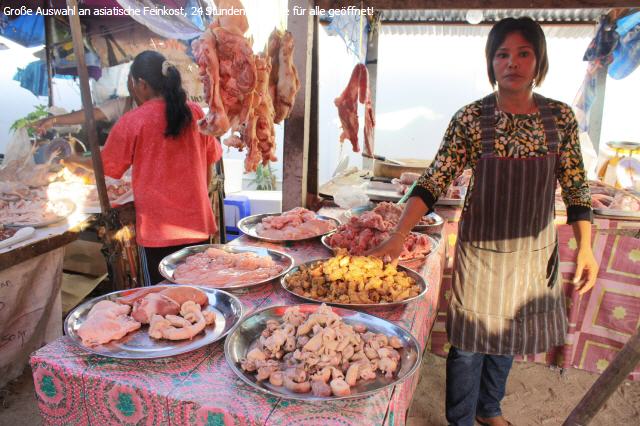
(352, 279)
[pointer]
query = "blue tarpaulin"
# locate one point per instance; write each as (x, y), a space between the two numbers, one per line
(26, 30)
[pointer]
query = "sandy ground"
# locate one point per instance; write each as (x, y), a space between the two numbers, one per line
(536, 395)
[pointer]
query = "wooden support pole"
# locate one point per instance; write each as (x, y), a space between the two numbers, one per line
(296, 127)
(371, 61)
(623, 364)
(48, 28)
(87, 105)
(314, 135)
(109, 215)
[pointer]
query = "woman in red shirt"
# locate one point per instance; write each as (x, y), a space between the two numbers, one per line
(170, 162)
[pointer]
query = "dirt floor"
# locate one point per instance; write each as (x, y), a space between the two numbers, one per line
(536, 395)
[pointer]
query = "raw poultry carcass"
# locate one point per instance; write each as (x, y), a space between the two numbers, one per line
(237, 73)
(227, 70)
(153, 304)
(357, 90)
(288, 81)
(106, 321)
(283, 81)
(258, 133)
(216, 122)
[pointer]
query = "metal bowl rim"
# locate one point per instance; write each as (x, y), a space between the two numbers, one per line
(243, 228)
(226, 247)
(234, 299)
(425, 286)
(242, 376)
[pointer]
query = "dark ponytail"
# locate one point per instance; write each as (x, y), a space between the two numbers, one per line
(164, 78)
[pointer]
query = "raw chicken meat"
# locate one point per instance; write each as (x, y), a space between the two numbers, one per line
(171, 327)
(357, 90)
(227, 70)
(625, 202)
(283, 80)
(257, 134)
(218, 268)
(105, 322)
(298, 223)
(369, 230)
(153, 304)
(320, 353)
(179, 294)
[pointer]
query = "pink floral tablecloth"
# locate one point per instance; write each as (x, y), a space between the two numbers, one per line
(601, 321)
(76, 387)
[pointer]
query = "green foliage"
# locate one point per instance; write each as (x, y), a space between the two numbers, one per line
(40, 112)
(265, 179)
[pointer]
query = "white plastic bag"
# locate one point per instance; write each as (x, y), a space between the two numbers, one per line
(348, 197)
(19, 149)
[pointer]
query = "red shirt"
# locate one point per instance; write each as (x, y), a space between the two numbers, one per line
(169, 175)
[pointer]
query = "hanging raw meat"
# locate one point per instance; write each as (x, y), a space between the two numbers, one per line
(283, 82)
(257, 134)
(227, 70)
(357, 90)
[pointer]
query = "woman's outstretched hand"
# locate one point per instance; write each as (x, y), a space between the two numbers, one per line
(390, 249)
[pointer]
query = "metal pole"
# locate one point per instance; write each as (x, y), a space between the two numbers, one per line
(87, 105)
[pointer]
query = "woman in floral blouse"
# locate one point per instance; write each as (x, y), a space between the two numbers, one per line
(506, 299)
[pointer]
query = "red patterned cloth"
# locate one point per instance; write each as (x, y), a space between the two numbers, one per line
(600, 322)
(74, 386)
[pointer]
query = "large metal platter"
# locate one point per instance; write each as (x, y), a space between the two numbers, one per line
(616, 213)
(138, 345)
(239, 341)
(434, 246)
(168, 265)
(70, 205)
(357, 211)
(419, 279)
(248, 226)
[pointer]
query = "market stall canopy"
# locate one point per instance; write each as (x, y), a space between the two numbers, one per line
(176, 26)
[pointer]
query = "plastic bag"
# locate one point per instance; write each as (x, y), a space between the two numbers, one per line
(19, 149)
(348, 197)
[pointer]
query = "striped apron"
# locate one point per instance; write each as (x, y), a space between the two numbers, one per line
(504, 298)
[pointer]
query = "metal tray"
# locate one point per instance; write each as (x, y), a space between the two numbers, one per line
(169, 264)
(450, 202)
(616, 213)
(239, 341)
(248, 226)
(434, 246)
(410, 272)
(357, 211)
(138, 345)
(71, 207)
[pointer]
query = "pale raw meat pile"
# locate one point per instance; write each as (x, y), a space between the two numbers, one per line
(391, 212)
(458, 188)
(357, 90)
(32, 211)
(159, 306)
(246, 93)
(320, 353)
(369, 230)
(606, 197)
(295, 224)
(105, 322)
(218, 268)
